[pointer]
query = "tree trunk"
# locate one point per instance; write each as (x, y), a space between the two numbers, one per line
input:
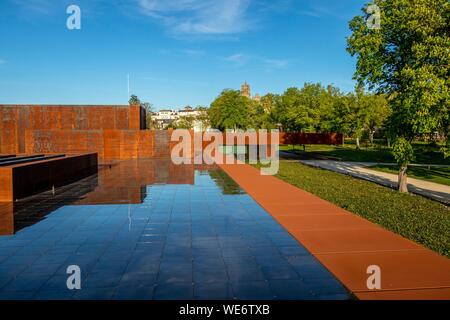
(371, 133)
(343, 140)
(389, 143)
(357, 143)
(403, 179)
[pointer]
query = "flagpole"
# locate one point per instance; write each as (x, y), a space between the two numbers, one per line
(128, 85)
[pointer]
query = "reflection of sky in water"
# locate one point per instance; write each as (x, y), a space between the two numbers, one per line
(200, 236)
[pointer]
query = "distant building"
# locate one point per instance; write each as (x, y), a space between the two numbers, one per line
(246, 92)
(166, 117)
(187, 112)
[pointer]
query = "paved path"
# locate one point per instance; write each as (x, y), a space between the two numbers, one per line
(428, 189)
(347, 244)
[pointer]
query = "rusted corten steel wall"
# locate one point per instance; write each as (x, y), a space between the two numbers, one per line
(311, 138)
(109, 144)
(199, 142)
(22, 180)
(15, 120)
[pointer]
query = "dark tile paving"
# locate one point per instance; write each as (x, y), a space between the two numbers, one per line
(207, 240)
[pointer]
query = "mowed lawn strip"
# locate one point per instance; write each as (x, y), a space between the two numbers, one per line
(432, 174)
(423, 154)
(419, 219)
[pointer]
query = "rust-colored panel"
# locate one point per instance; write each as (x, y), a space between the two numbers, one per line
(6, 219)
(121, 118)
(134, 117)
(145, 147)
(129, 144)
(9, 141)
(310, 138)
(25, 179)
(75, 117)
(6, 181)
(111, 144)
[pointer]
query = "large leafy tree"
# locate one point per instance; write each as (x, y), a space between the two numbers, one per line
(341, 115)
(203, 118)
(298, 110)
(408, 59)
(229, 111)
(149, 111)
(378, 112)
(369, 112)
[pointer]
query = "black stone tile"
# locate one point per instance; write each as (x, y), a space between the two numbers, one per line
(175, 273)
(135, 292)
(94, 294)
(279, 272)
(238, 274)
(291, 290)
(174, 291)
(208, 275)
(255, 290)
(213, 291)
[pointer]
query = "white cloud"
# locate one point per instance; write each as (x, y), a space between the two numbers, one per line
(238, 58)
(276, 63)
(194, 53)
(36, 6)
(200, 16)
(241, 59)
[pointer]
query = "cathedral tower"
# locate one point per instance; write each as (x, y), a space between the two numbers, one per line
(245, 90)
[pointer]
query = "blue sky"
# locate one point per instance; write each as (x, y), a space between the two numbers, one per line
(177, 52)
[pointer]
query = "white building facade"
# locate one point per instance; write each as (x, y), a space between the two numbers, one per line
(166, 117)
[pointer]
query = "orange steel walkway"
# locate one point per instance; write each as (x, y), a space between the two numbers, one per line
(347, 244)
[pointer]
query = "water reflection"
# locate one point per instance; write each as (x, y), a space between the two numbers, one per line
(149, 230)
(118, 183)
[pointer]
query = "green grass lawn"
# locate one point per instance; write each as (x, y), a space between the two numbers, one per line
(432, 174)
(414, 217)
(424, 153)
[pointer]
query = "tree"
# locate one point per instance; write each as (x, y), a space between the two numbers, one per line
(298, 110)
(378, 113)
(341, 115)
(327, 118)
(202, 118)
(150, 123)
(229, 111)
(260, 116)
(186, 122)
(403, 154)
(134, 100)
(408, 59)
(368, 113)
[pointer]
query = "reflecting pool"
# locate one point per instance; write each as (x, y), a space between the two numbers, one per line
(148, 229)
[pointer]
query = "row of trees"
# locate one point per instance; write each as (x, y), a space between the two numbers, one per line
(312, 108)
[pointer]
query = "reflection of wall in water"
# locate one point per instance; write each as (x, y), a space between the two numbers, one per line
(121, 183)
(126, 182)
(17, 215)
